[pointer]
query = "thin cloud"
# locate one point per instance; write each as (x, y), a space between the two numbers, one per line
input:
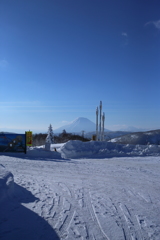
(124, 34)
(3, 64)
(41, 106)
(125, 38)
(21, 102)
(156, 24)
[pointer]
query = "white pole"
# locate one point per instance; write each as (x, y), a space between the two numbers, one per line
(103, 119)
(100, 117)
(97, 124)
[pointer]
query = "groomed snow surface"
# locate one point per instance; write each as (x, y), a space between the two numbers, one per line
(101, 191)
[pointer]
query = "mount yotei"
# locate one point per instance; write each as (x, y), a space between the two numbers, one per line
(78, 125)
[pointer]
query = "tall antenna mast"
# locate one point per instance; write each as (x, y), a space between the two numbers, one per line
(83, 133)
(103, 119)
(100, 117)
(97, 124)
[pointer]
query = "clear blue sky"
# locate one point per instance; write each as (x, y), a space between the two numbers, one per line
(59, 58)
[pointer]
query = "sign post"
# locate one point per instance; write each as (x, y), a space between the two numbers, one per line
(29, 139)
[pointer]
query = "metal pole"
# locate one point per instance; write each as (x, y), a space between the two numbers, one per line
(100, 117)
(25, 143)
(83, 133)
(103, 119)
(97, 124)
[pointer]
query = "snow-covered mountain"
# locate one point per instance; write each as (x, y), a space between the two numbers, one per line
(108, 135)
(78, 125)
(143, 138)
(133, 129)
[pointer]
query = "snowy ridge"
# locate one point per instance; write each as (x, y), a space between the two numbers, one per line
(133, 129)
(149, 137)
(93, 149)
(77, 149)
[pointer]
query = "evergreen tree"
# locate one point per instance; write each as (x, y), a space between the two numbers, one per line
(50, 136)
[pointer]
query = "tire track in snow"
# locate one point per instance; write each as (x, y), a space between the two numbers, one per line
(94, 222)
(130, 224)
(120, 214)
(67, 214)
(108, 216)
(72, 222)
(62, 211)
(66, 211)
(147, 228)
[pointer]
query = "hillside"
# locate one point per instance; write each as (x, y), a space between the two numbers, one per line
(108, 135)
(143, 138)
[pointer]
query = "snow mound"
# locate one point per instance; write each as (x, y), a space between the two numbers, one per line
(6, 183)
(42, 153)
(94, 149)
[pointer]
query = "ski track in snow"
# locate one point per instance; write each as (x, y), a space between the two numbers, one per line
(100, 199)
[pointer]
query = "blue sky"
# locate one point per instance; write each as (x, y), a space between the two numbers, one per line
(59, 58)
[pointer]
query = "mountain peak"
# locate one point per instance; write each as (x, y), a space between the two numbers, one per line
(82, 120)
(78, 125)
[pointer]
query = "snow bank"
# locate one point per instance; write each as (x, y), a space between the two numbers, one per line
(6, 183)
(94, 149)
(42, 153)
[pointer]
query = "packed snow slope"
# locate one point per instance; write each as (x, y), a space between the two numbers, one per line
(149, 137)
(92, 199)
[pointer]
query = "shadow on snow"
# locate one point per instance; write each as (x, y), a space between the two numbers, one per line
(38, 157)
(18, 222)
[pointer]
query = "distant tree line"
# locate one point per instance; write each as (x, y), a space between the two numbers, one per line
(40, 138)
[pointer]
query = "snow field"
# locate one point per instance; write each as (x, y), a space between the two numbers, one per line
(113, 199)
